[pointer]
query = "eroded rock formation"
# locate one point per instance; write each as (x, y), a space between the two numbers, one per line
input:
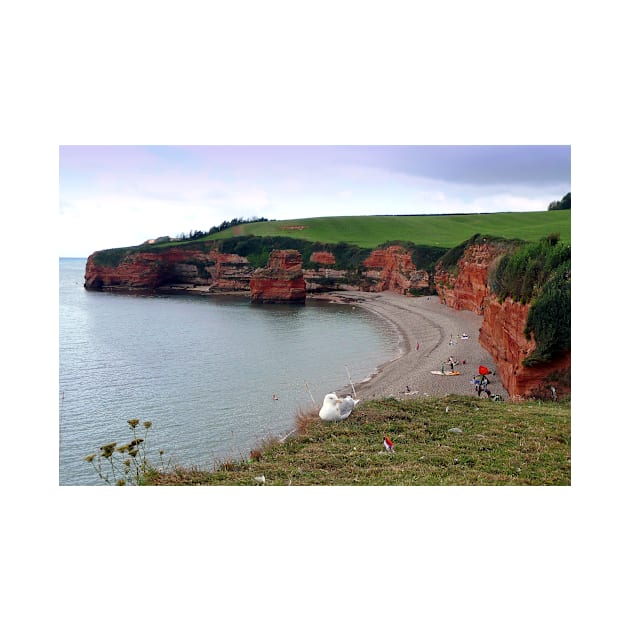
(468, 287)
(501, 333)
(281, 281)
(149, 271)
(392, 269)
(502, 330)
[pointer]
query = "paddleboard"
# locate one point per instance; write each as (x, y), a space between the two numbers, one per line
(439, 373)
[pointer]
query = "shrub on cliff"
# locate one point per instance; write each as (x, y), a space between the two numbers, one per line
(522, 274)
(423, 256)
(111, 257)
(549, 318)
(540, 274)
(449, 260)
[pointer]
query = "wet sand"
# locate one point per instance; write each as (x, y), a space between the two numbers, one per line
(438, 329)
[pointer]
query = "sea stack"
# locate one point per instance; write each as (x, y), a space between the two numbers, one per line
(281, 281)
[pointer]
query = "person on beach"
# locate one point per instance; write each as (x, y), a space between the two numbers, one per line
(452, 363)
(417, 345)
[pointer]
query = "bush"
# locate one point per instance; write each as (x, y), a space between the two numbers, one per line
(522, 274)
(539, 274)
(549, 318)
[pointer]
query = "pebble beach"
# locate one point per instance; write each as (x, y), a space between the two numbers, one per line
(430, 333)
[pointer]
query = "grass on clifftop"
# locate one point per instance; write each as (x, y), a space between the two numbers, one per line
(475, 442)
(447, 230)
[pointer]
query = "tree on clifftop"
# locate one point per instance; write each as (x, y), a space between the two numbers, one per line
(563, 204)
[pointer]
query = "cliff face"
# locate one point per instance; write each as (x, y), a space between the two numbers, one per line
(148, 271)
(501, 333)
(388, 269)
(281, 281)
(392, 269)
(468, 288)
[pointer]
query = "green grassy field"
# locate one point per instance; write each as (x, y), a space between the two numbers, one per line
(473, 442)
(438, 230)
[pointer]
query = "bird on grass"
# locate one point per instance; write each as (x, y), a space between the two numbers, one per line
(388, 444)
(260, 479)
(335, 408)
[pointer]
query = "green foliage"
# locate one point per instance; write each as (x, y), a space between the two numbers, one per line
(111, 257)
(450, 259)
(540, 274)
(431, 230)
(367, 232)
(198, 234)
(257, 249)
(522, 274)
(563, 204)
(126, 464)
(549, 318)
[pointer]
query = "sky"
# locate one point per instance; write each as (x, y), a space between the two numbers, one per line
(115, 196)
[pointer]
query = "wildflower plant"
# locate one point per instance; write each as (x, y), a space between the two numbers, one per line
(126, 464)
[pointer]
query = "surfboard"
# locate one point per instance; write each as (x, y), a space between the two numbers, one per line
(439, 373)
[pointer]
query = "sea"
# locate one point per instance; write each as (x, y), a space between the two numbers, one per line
(215, 375)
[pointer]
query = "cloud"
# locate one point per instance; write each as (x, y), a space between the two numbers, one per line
(476, 165)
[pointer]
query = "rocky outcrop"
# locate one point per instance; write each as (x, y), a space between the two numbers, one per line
(323, 259)
(502, 330)
(392, 269)
(159, 269)
(324, 278)
(501, 333)
(281, 281)
(170, 268)
(467, 288)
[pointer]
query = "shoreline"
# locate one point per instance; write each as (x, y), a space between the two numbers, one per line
(425, 320)
(438, 330)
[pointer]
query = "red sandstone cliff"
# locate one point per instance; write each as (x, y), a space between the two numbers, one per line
(323, 258)
(148, 271)
(282, 280)
(392, 269)
(501, 333)
(468, 288)
(389, 269)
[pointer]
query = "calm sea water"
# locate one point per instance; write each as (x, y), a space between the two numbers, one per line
(202, 369)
